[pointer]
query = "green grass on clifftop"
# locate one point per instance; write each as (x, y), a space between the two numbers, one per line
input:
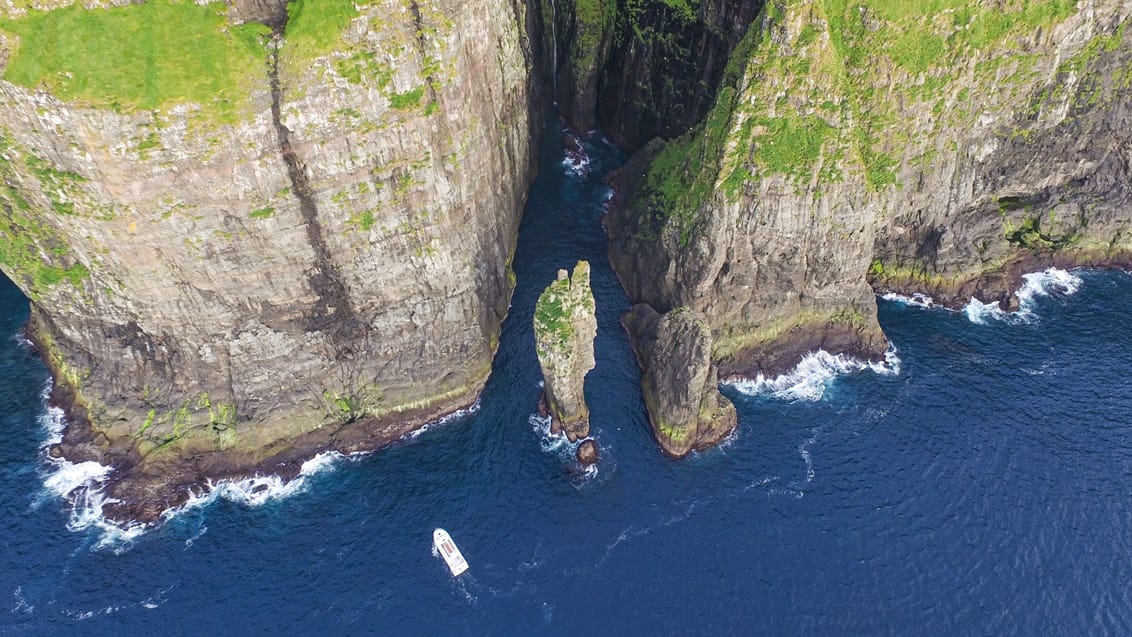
(315, 27)
(141, 56)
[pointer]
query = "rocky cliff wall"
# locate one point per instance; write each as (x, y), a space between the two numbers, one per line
(248, 240)
(886, 146)
(639, 68)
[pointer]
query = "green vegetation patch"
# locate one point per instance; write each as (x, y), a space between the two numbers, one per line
(553, 315)
(315, 27)
(140, 56)
(408, 99)
(791, 143)
(29, 248)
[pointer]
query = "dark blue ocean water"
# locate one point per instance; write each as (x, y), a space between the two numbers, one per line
(985, 488)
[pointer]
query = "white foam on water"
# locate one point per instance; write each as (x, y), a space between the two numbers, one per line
(1051, 281)
(22, 605)
(916, 300)
(809, 380)
(576, 165)
(69, 476)
(258, 490)
(981, 313)
(81, 486)
(443, 420)
(559, 445)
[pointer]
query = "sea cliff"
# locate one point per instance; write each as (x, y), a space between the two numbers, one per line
(878, 146)
(257, 230)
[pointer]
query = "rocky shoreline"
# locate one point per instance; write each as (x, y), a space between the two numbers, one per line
(140, 493)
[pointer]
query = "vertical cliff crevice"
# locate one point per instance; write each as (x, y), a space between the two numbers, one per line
(639, 69)
(665, 66)
(334, 312)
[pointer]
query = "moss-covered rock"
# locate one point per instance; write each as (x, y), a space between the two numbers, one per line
(857, 146)
(565, 327)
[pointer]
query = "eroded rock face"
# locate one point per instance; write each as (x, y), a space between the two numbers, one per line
(306, 247)
(680, 382)
(565, 327)
(587, 452)
(861, 151)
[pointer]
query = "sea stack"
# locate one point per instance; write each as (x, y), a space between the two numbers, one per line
(565, 328)
(680, 383)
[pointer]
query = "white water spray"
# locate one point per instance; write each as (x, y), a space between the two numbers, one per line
(1037, 284)
(809, 380)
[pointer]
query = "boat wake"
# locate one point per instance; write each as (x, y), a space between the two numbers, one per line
(813, 375)
(1051, 282)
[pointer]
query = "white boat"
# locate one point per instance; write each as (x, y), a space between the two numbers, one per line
(444, 545)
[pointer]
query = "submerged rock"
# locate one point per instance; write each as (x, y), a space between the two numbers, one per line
(680, 381)
(565, 328)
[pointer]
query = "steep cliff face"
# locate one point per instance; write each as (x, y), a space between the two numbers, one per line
(639, 68)
(257, 230)
(577, 34)
(665, 65)
(879, 145)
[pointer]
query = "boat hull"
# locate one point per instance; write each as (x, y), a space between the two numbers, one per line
(444, 545)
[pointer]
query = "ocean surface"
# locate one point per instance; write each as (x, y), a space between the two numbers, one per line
(980, 482)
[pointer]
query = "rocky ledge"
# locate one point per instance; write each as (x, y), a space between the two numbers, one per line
(565, 328)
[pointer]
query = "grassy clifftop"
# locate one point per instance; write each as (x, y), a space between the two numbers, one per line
(142, 56)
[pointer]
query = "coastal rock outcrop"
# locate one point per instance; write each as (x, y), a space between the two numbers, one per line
(680, 383)
(587, 452)
(263, 230)
(565, 328)
(853, 149)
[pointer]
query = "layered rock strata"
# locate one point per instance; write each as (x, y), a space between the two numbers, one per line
(855, 148)
(265, 231)
(565, 328)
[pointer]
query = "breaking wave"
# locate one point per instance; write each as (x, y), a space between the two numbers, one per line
(81, 484)
(559, 445)
(916, 300)
(1037, 285)
(443, 420)
(809, 380)
(576, 165)
(259, 490)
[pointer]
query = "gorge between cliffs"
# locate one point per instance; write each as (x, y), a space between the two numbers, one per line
(302, 240)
